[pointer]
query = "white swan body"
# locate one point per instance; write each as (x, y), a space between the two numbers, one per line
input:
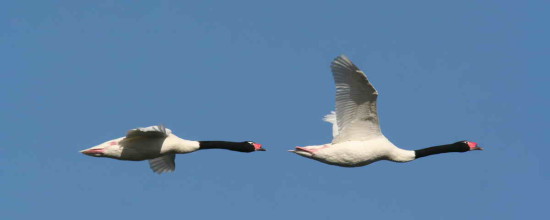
(357, 138)
(356, 153)
(158, 145)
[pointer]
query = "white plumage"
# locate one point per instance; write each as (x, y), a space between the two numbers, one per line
(155, 143)
(331, 118)
(158, 145)
(357, 138)
(356, 114)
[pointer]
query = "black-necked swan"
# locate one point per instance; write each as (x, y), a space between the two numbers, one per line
(357, 139)
(158, 145)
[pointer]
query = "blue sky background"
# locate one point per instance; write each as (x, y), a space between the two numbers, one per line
(77, 73)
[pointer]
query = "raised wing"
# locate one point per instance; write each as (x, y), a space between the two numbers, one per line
(163, 164)
(356, 113)
(152, 131)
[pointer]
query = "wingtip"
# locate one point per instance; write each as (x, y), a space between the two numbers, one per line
(339, 58)
(330, 118)
(343, 62)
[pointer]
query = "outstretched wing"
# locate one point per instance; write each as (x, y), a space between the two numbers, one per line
(152, 131)
(356, 114)
(163, 164)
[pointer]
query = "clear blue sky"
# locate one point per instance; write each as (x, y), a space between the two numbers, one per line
(77, 73)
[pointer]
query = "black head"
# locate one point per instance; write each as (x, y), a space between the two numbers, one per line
(254, 146)
(246, 146)
(471, 145)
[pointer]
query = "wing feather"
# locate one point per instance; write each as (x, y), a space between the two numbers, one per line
(152, 131)
(356, 114)
(163, 164)
(331, 118)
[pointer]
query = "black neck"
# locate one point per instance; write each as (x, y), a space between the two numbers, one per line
(455, 147)
(234, 146)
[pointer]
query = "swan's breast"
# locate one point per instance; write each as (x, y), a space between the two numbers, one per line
(354, 153)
